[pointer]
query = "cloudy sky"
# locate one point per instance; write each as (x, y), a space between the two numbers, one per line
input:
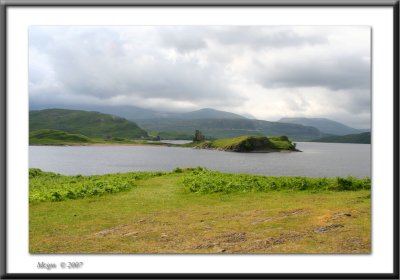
(266, 71)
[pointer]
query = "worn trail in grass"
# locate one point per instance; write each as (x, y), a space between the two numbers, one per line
(159, 215)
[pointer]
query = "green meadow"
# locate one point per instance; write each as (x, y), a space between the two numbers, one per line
(197, 211)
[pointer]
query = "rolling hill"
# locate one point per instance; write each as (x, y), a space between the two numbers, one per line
(90, 124)
(361, 138)
(324, 125)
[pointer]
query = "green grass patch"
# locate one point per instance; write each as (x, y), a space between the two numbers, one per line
(201, 180)
(282, 143)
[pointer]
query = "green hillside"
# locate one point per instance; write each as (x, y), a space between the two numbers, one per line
(90, 124)
(228, 128)
(361, 138)
(248, 144)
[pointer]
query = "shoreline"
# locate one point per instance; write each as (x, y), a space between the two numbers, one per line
(99, 144)
(267, 151)
(163, 145)
(249, 152)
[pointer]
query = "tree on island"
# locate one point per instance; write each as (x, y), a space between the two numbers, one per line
(198, 136)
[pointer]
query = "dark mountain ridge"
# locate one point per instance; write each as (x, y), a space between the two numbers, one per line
(207, 113)
(134, 113)
(361, 138)
(324, 125)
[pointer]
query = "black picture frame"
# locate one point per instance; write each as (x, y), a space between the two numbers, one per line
(4, 5)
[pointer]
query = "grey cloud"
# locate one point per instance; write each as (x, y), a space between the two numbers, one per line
(262, 37)
(212, 66)
(357, 102)
(189, 38)
(183, 39)
(104, 78)
(342, 72)
(94, 64)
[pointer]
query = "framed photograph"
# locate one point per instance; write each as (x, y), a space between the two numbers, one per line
(199, 139)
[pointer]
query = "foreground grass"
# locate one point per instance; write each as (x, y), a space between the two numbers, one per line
(160, 214)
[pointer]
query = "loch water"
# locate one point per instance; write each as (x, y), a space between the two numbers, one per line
(315, 160)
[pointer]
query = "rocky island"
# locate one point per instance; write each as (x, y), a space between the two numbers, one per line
(248, 144)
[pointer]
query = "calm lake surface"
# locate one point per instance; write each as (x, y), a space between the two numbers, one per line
(316, 160)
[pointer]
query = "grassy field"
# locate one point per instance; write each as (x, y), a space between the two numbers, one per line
(163, 213)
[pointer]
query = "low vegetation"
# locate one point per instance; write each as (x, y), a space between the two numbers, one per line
(201, 180)
(197, 211)
(248, 144)
(48, 186)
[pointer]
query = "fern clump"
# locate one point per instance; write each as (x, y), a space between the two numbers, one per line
(201, 180)
(48, 186)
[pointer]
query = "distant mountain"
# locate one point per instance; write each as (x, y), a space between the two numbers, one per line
(90, 124)
(207, 113)
(324, 125)
(128, 112)
(228, 128)
(248, 116)
(134, 113)
(361, 138)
